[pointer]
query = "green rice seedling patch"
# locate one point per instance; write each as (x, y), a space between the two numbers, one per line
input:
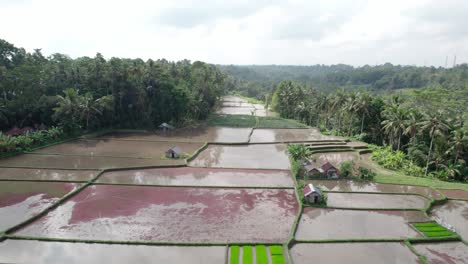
(277, 259)
(433, 230)
(276, 250)
(234, 258)
(439, 234)
(247, 257)
(277, 255)
(261, 254)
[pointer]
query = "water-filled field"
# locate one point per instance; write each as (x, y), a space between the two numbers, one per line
(265, 156)
(236, 111)
(376, 201)
(172, 214)
(455, 213)
(190, 176)
(288, 135)
(46, 174)
(335, 158)
(455, 194)
(447, 252)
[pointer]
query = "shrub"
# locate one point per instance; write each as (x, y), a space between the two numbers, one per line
(347, 168)
(298, 151)
(366, 174)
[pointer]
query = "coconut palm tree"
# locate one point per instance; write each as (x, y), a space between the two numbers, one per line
(363, 101)
(458, 141)
(395, 122)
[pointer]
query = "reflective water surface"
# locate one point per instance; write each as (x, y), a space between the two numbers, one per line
(288, 135)
(455, 213)
(376, 201)
(46, 174)
(446, 252)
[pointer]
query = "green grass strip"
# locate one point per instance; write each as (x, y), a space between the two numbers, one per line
(439, 234)
(234, 257)
(261, 253)
(276, 250)
(277, 259)
(431, 229)
(247, 257)
(426, 224)
(421, 257)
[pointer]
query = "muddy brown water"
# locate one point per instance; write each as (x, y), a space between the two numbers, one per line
(197, 134)
(288, 135)
(41, 252)
(173, 214)
(46, 174)
(363, 186)
(442, 253)
(115, 148)
(80, 162)
(236, 110)
(265, 156)
(20, 201)
(362, 253)
(323, 224)
(454, 213)
(376, 201)
(455, 194)
(201, 177)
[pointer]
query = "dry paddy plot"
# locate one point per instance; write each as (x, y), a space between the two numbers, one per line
(40, 252)
(441, 253)
(455, 213)
(20, 201)
(365, 186)
(376, 201)
(289, 135)
(189, 176)
(362, 253)
(325, 224)
(197, 134)
(455, 194)
(47, 174)
(267, 156)
(80, 162)
(171, 214)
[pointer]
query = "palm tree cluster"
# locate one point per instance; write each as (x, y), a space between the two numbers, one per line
(434, 140)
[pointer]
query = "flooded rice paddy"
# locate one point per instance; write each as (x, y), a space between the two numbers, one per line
(265, 156)
(454, 213)
(335, 158)
(80, 162)
(114, 148)
(376, 201)
(232, 98)
(323, 224)
(46, 174)
(362, 253)
(40, 252)
(20, 201)
(236, 111)
(196, 134)
(288, 135)
(441, 253)
(365, 186)
(172, 214)
(455, 194)
(190, 176)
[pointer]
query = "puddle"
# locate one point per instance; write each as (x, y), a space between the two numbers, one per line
(454, 213)
(447, 252)
(23, 251)
(376, 201)
(198, 134)
(288, 135)
(267, 156)
(362, 253)
(116, 148)
(45, 174)
(322, 224)
(80, 162)
(20, 201)
(201, 177)
(236, 111)
(364, 186)
(454, 194)
(173, 214)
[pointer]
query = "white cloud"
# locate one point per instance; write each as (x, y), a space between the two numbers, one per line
(243, 32)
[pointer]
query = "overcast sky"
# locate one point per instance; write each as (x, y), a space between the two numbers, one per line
(357, 32)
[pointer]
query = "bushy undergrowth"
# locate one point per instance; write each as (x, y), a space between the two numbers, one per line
(28, 140)
(395, 160)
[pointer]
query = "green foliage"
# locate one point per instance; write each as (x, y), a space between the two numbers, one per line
(347, 168)
(247, 257)
(277, 255)
(277, 122)
(231, 120)
(433, 229)
(261, 254)
(234, 257)
(366, 174)
(296, 168)
(276, 250)
(298, 152)
(28, 140)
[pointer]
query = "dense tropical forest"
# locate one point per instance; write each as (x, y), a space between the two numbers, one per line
(89, 93)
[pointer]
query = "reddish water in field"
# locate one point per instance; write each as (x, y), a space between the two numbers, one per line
(175, 214)
(455, 213)
(201, 177)
(45, 174)
(20, 201)
(455, 194)
(265, 156)
(363, 186)
(288, 135)
(321, 224)
(197, 134)
(118, 148)
(362, 253)
(443, 253)
(80, 162)
(376, 201)
(22, 251)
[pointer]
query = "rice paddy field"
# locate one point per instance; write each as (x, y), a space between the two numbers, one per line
(231, 198)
